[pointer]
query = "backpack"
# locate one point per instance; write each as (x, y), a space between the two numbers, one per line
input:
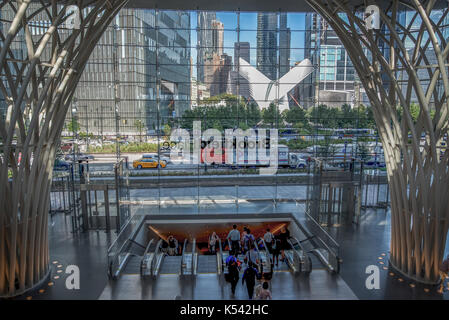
(249, 240)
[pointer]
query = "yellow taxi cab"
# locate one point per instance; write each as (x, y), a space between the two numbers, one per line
(148, 163)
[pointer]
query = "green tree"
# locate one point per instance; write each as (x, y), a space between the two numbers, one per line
(73, 126)
(167, 130)
(271, 116)
(139, 126)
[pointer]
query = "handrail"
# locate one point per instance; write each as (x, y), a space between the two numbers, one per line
(334, 259)
(259, 266)
(194, 260)
(322, 230)
(270, 260)
(183, 256)
(220, 267)
(144, 254)
(305, 258)
(298, 257)
(112, 256)
(156, 251)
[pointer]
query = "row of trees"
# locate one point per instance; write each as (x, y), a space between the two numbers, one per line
(225, 112)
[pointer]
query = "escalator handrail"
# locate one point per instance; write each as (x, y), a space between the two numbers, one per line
(144, 254)
(183, 255)
(220, 267)
(270, 260)
(295, 253)
(156, 252)
(194, 261)
(305, 257)
(259, 266)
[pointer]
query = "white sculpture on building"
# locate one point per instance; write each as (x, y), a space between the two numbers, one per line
(265, 91)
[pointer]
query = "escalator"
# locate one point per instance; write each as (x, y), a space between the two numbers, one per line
(132, 259)
(212, 263)
(297, 258)
(265, 257)
(189, 260)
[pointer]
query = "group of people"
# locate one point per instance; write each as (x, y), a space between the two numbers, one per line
(170, 246)
(250, 276)
(246, 244)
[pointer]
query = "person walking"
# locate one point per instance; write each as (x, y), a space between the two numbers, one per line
(276, 248)
(248, 240)
(284, 236)
(213, 240)
(268, 238)
(444, 270)
(234, 237)
(233, 271)
(264, 293)
(252, 256)
(250, 275)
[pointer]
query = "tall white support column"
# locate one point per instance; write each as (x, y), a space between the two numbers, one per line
(42, 57)
(417, 167)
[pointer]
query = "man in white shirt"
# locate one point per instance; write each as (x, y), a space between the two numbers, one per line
(268, 238)
(234, 237)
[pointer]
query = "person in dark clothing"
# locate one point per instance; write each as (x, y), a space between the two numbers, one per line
(233, 270)
(276, 249)
(250, 275)
(284, 236)
(172, 246)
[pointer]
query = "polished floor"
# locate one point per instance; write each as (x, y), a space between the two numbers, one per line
(320, 285)
(361, 245)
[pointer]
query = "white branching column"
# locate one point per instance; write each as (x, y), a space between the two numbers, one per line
(417, 167)
(41, 61)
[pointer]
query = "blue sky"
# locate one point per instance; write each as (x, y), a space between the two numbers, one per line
(248, 33)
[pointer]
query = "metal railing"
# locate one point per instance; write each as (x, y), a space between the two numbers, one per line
(145, 258)
(324, 241)
(117, 251)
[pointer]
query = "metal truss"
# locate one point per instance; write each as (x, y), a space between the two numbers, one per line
(40, 72)
(417, 167)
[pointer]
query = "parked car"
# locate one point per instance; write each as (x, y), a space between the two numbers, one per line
(61, 165)
(148, 163)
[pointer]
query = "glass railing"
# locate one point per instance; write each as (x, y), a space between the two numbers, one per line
(117, 252)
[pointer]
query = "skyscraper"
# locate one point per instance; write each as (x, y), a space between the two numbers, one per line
(205, 40)
(217, 37)
(241, 50)
(284, 45)
(336, 71)
(143, 80)
(240, 85)
(267, 44)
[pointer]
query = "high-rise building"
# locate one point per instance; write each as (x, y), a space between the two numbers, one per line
(241, 50)
(151, 91)
(240, 85)
(205, 40)
(217, 37)
(216, 65)
(284, 45)
(335, 83)
(267, 44)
